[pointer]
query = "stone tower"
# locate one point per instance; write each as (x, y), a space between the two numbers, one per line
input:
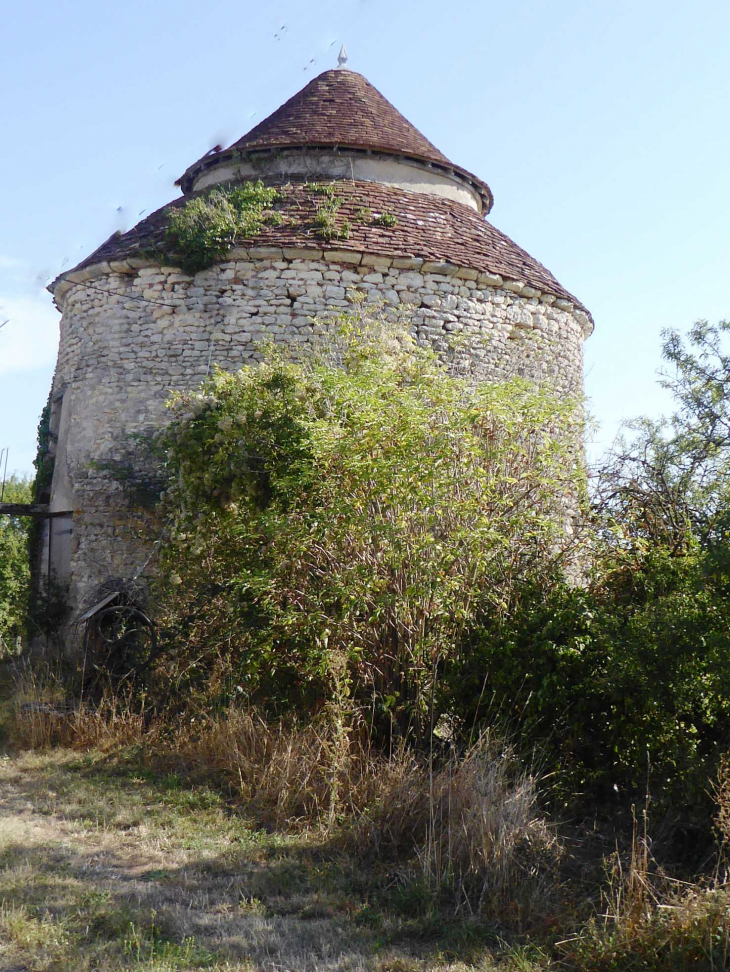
(406, 227)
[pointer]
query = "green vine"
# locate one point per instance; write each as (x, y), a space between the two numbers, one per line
(139, 469)
(206, 228)
(43, 461)
(47, 601)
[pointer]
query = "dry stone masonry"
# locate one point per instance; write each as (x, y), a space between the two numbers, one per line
(134, 330)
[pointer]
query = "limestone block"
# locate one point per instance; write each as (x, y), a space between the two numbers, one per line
(294, 253)
(342, 256)
(409, 281)
(265, 253)
(407, 263)
(447, 269)
(379, 262)
(464, 273)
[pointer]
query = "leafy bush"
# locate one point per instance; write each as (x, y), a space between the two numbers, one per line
(207, 227)
(14, 569)
(339, 523)
(623, 681)
(617, 692)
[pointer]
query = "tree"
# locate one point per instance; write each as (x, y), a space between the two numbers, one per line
(624, 680)
(668, 481)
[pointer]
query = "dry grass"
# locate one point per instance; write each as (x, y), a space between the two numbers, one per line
(286, 775)
(475, 827)
(650, 921)
(367, 863)
(722, 801)
(103, 866)
(470, 829)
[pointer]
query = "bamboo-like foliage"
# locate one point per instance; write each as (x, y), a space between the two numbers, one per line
(337, 521)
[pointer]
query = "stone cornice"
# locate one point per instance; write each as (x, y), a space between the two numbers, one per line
(129, 267)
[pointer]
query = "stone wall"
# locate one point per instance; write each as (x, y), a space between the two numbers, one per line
(120, 355)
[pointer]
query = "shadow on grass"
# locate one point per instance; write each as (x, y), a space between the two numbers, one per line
(149, 863)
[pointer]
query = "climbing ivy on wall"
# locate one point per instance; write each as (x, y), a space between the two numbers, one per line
(43, 463)
(38, 597)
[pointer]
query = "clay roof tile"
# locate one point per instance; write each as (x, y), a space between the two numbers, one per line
(338, 108)
(341, 107)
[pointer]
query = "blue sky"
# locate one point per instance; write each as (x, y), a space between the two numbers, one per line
(602, 128)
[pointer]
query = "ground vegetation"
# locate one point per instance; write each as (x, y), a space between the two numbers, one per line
(443, 694)
(14, 569)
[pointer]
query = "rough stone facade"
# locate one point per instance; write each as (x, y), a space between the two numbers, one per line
(120, 357)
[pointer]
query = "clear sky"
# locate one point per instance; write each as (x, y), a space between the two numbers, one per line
(602, 127)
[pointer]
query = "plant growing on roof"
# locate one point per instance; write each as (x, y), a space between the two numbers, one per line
(206, 228)
(326, 223)
(385, 219)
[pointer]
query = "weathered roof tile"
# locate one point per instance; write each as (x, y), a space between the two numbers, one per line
(338, 108)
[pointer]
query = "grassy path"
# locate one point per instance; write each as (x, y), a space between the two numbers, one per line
(105, 866)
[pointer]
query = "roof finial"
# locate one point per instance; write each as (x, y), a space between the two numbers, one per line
(342, 59)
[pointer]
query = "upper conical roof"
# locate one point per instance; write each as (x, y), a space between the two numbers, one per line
(339, 108)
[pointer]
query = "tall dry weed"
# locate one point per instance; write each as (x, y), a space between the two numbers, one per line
(300, 774)
(470, 825)
(312, 773)
(42, 717)
(649, 920)
(474, 826)
(721, 792)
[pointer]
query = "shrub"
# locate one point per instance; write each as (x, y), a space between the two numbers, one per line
(207, 227)
(14, 568)
(338, 523)
(618, 692)
(623, 682)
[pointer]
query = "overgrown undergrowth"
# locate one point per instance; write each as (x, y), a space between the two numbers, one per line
(463, 835)
(468, 826)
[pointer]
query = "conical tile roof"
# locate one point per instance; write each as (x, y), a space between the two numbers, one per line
(339, 108)
(342, 109)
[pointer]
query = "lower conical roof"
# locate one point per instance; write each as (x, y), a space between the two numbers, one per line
(416, 226)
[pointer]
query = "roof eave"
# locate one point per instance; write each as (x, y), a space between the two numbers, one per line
(187, 179)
